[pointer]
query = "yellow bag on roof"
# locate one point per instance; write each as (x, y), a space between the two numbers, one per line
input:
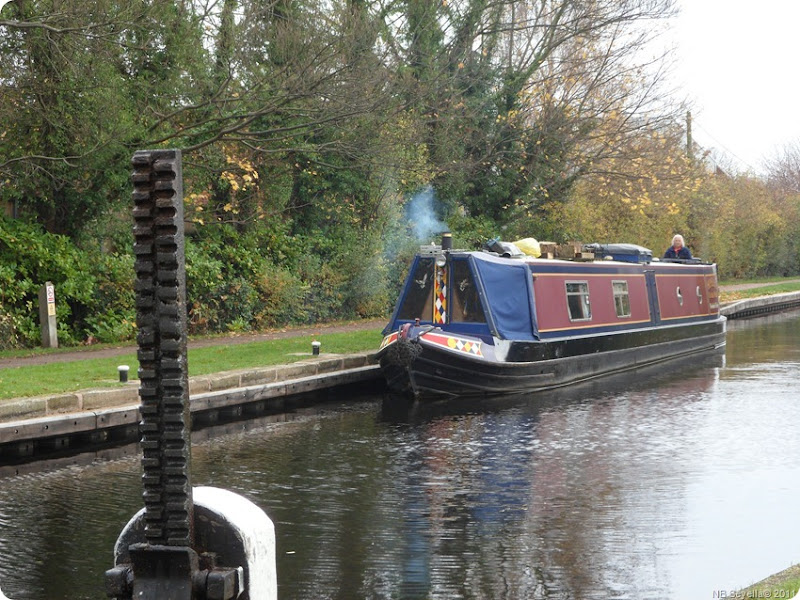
(529, 246)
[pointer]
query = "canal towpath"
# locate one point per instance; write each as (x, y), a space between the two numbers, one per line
(220, 340)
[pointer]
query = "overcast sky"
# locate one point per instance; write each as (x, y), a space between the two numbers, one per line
(739, 62)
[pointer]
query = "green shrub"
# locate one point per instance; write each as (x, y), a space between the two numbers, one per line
(282, 298)
(9, 331)
(234, 285)
(236, 280)
(29, 258)
(94, 291)
(111, 327)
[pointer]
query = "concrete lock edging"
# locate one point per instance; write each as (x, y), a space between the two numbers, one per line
(28, 419)
(750, 307)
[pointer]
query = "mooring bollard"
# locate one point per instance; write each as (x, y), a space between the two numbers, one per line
(174, 548)
(123, 373)
(315, 348)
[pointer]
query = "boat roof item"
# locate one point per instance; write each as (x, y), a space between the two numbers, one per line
(621, 252)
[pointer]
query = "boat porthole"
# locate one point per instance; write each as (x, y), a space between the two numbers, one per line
(680, 296)
(699, 295)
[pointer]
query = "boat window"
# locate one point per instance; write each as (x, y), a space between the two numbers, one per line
(622, 302)
(418, 301)
(680, 296)
(465, 304)
(699, 295)
(578, 300)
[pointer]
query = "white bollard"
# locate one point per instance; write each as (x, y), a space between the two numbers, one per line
(252, 527)
(233, 527)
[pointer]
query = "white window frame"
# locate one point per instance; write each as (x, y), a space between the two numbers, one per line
(584, 302)
(622, 299)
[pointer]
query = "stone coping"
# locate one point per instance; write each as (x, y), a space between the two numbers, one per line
(760, 305)
(127, 394)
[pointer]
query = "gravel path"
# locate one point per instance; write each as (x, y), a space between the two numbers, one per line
(738, 287)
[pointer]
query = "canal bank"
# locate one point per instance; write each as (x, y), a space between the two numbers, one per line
(761, 305)
(60, 422)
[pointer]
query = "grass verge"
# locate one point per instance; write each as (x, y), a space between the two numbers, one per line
(768, 289)
(785, 584)
(91, 373)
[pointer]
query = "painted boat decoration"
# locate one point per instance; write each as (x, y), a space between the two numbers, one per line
(472, 323)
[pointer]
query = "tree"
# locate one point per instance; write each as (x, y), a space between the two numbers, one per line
(517, 98)
(85, 86)
(84, 81)
(752, 230)
(644, 195)
(783, 171)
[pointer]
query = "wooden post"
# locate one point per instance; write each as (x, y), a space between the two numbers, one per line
(47, 315)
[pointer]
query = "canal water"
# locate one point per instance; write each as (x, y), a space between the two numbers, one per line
(681, 482)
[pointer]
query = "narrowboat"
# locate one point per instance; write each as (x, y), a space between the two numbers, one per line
(479, 323)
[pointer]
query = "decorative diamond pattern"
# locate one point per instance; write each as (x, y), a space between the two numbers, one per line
(465, 346)
(440, 296)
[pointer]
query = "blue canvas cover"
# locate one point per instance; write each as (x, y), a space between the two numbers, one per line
(508, 289)
(622, 252)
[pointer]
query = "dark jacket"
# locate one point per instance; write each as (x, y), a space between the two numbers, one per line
(684, 252)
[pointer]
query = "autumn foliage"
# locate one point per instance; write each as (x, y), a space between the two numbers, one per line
(307, 130)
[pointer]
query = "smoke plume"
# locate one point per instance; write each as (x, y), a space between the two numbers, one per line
(421, 215)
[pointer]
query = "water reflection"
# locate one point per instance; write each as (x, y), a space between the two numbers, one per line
(677, 482)
(554, 484)
(773, 338)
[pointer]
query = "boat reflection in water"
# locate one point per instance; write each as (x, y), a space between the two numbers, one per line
(528, 496)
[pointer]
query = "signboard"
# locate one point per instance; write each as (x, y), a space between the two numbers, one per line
(47, 317)
(51, 300)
